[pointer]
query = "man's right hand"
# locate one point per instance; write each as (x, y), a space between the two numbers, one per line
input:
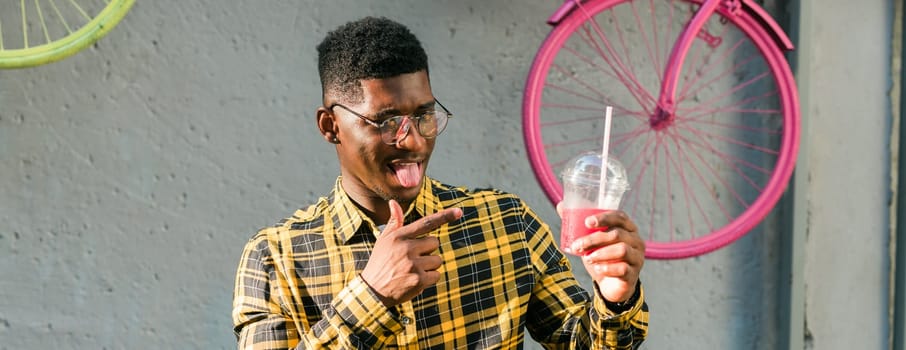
(404, 261)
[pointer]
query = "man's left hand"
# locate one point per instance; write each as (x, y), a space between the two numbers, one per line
(614, 255)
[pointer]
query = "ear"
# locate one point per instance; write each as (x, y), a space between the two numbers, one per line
(328, 126)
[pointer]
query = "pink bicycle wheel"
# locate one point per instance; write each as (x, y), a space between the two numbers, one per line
(706, 175)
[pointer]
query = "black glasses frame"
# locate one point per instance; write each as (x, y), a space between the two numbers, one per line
(383, 123)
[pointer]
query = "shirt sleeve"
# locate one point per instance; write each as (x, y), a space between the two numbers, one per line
(264, 316)
(559, 303)
(621, 329)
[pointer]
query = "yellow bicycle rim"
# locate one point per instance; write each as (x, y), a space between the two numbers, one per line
(66, 46)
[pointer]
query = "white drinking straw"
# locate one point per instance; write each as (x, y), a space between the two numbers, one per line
(602, 188)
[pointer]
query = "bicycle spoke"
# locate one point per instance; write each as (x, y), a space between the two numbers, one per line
(572, 92)
(732, 161)
(712, 189)
(641, 28)
(699, 47)
(639, 161)
(703, 111)
(616, 140)
(576, 79)
(657, 142)
(568, 121)
(620, 35)
(700, 135)
(618, 28)
(728, 126)
(687, 160)
(79, 8)
(24, 24)
(619, 140)
(669, 200)
(719, 63)
(617, 66)
(41, 19)
(571, 142)
(56, 9)
(730, 92)
(657, 51)
(603, 98)
(731, 110)
(693, 66)
(590, 62)
(686, 190)
(625, 77)
(562, 122)
(650, 157)
(569, 107)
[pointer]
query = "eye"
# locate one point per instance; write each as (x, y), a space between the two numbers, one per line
(391, 124)
(427, 117)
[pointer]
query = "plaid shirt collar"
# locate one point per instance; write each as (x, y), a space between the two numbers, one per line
(347, 218)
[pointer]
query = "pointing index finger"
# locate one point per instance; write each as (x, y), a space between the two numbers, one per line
(431, 222)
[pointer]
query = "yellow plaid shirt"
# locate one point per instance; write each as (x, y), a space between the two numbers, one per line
(298, 283)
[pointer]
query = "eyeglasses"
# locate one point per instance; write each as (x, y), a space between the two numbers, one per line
(395, 129)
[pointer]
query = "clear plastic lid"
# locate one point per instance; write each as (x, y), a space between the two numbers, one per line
(585, 170)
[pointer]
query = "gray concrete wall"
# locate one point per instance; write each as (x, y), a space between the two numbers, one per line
(132, 173)
(846, 268)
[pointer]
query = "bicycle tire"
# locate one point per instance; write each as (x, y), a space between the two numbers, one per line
(57, 48)
(759, 152)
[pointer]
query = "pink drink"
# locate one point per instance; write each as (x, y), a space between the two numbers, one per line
(573, 226)
(583, 195)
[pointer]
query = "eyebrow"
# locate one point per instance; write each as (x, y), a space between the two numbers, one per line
(392, 112)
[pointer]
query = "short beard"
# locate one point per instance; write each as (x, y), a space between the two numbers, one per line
(387, 197)
(384, 195)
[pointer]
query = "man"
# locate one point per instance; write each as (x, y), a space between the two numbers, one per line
(393, 258)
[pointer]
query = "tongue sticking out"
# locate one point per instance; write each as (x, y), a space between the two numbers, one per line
(407, 174)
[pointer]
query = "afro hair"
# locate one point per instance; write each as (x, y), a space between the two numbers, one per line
(368, 48)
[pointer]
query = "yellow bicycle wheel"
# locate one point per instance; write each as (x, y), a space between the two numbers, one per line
(36, 32)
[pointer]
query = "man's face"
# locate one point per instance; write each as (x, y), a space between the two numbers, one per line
(373, 170)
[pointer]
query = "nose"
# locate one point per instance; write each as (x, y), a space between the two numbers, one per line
(403, 130)
(406, 139)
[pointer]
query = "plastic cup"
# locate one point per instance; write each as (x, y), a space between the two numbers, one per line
(582, 196)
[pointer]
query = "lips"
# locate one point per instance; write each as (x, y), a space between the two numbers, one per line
(407, 173)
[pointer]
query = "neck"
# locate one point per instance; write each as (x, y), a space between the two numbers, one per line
(375, 206)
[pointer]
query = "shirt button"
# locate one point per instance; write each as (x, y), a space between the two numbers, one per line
(405, 320)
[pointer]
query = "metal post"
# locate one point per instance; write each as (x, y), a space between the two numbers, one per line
(899, 273)
(794, 220)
